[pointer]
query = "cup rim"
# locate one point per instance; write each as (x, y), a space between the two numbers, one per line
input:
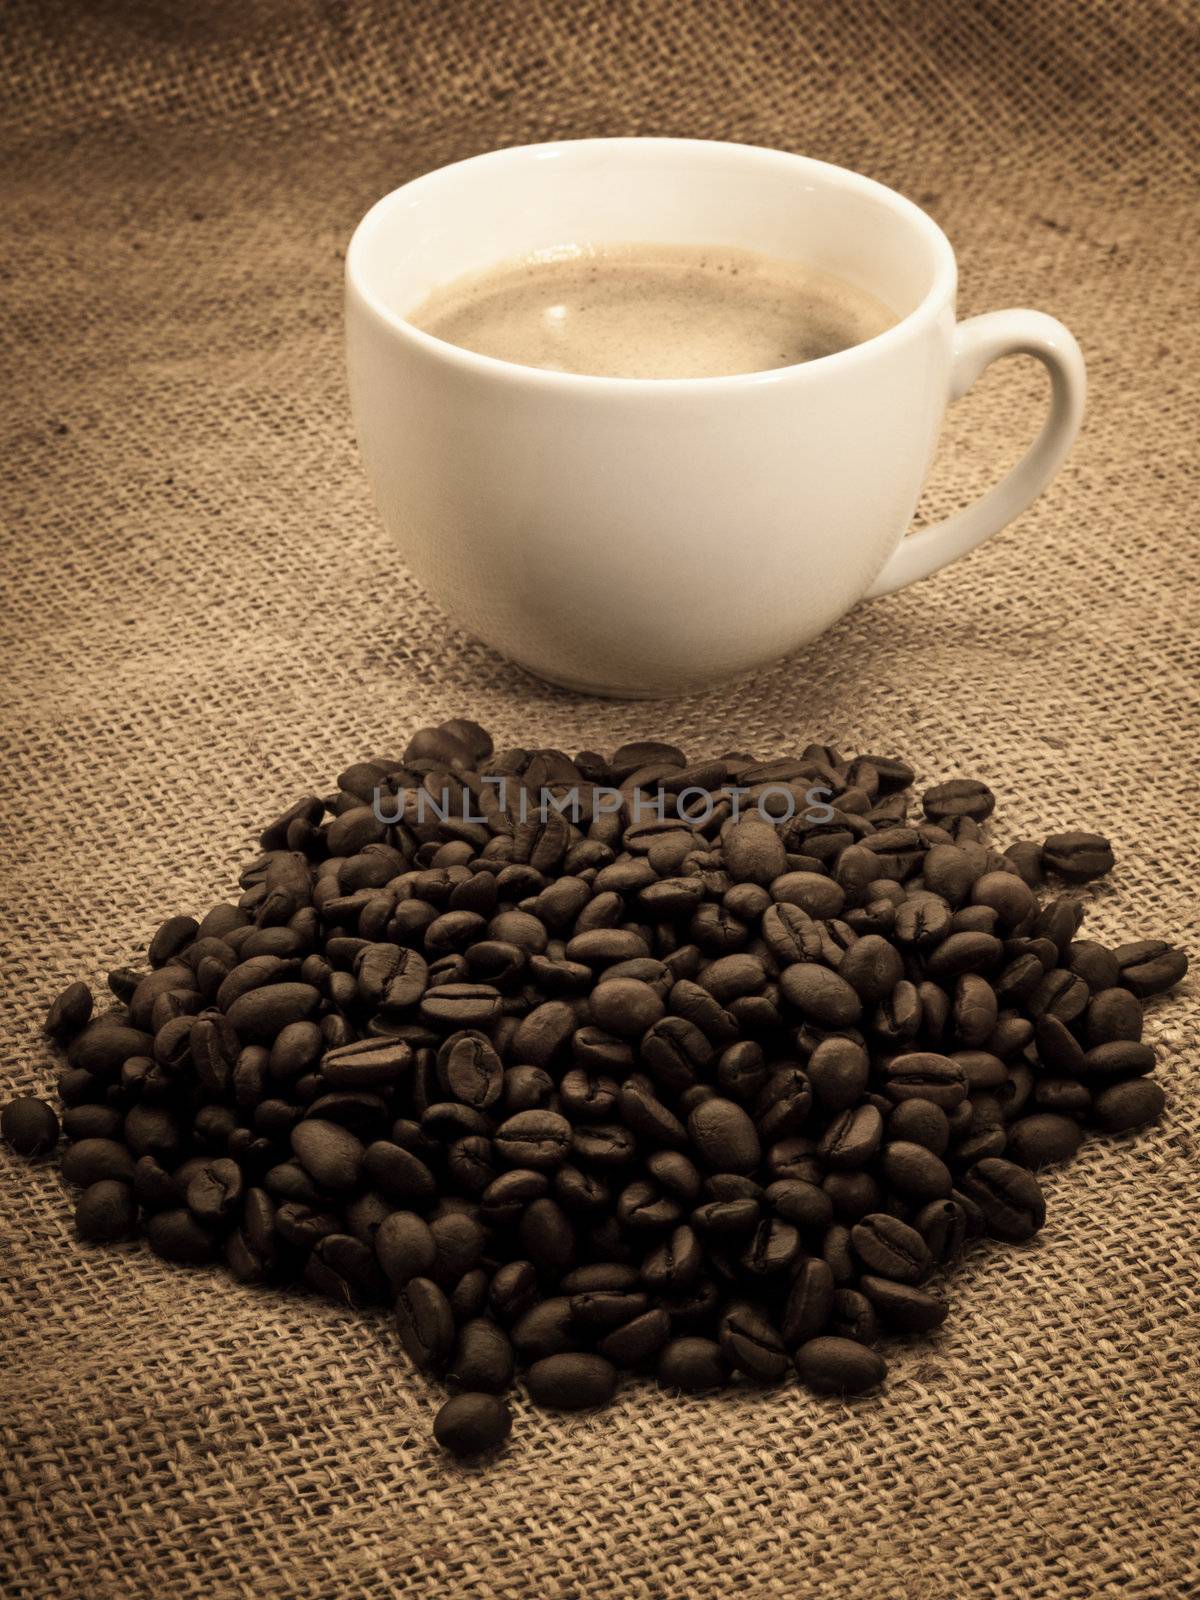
(940, 293)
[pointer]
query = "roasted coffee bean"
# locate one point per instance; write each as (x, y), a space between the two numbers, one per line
(1057, 1047)
(405, 1247)
(801, 1203)
(872, 967)
(852, 1139)
(891, 1248)
(460, 1005)
(638, 1341)
(91, 1160)
(838, 1070)
(106, 1210)
(344, 1268)
(1112, 1014)
(470, 1423)
(68, 1012)
(943, 1226)
(723, 1136)
(1078, 857)
(922, 1075)
(1043, 1139)
(572, 1381)
(820, 996)
(751, 1345)
(215, 1192)
(920, 1122)
(330, 1154)
(262, 1012)
(1119, 1058)
(482, 1358)
(545, 1328)
(902, 1307)
(1009, 1197)
(1149, 967)
(691, 1364)
(176, 1235)
(913, 1171)
(960, 797)
(105, 1044)
(537, 1139)
(425, 1322)
(366, 1063)
(1129, 1104)
(832, 1365)
(30, 1126)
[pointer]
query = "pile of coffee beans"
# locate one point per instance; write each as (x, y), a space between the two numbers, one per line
(626, 1063)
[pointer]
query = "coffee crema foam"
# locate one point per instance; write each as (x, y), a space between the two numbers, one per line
(653, 311)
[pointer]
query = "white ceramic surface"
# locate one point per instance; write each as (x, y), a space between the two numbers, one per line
(641, 537)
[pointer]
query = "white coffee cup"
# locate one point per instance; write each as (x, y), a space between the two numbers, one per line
(644, 536)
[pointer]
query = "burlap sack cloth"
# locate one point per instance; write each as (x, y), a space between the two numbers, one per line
(202, 618)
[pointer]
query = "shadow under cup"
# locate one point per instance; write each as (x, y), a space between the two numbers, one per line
(641, 537)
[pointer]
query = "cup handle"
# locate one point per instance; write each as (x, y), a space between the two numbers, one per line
(977, 343)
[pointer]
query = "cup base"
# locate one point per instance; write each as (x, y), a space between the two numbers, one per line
(678, 691)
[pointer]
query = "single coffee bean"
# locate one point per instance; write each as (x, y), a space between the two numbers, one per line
(692, 1364)
(853, 1317)
(832, 1365)
(482, 1357)
(1120, 1058)
(92, 1160)
(69, 1012)
(1063, 1096)
(405, 1247)
(215, 1192)
(1009, 1197)
(920, 1122)
(752, 1345)
(331, 1155)
(262, 1012)
(30, 1126)
(1150, 967)
(571, 1381)
(723, 1136)
(914, 1172)
(425, 1322)
(852, 1139)
(1130, 1104)
(513, 1292)
(637, 1341)
(922, 1075)
(1112, 1014)
(537, 1139)
(960, 797)
(838, 1070)
(176, 1235)
(1043, 1139)
(821, 996)
(902, 1307)
(890, 1248)
(625, 1007)
(105, 1044)
(1057, 1047)
(470, 1423)
(1078, 857)
(872, 967)
(106, 1210)
(545, 1328)
(943, 1226)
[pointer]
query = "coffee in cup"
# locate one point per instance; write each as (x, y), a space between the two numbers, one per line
(653, 311)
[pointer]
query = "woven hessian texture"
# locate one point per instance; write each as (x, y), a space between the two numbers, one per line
(202, 619)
